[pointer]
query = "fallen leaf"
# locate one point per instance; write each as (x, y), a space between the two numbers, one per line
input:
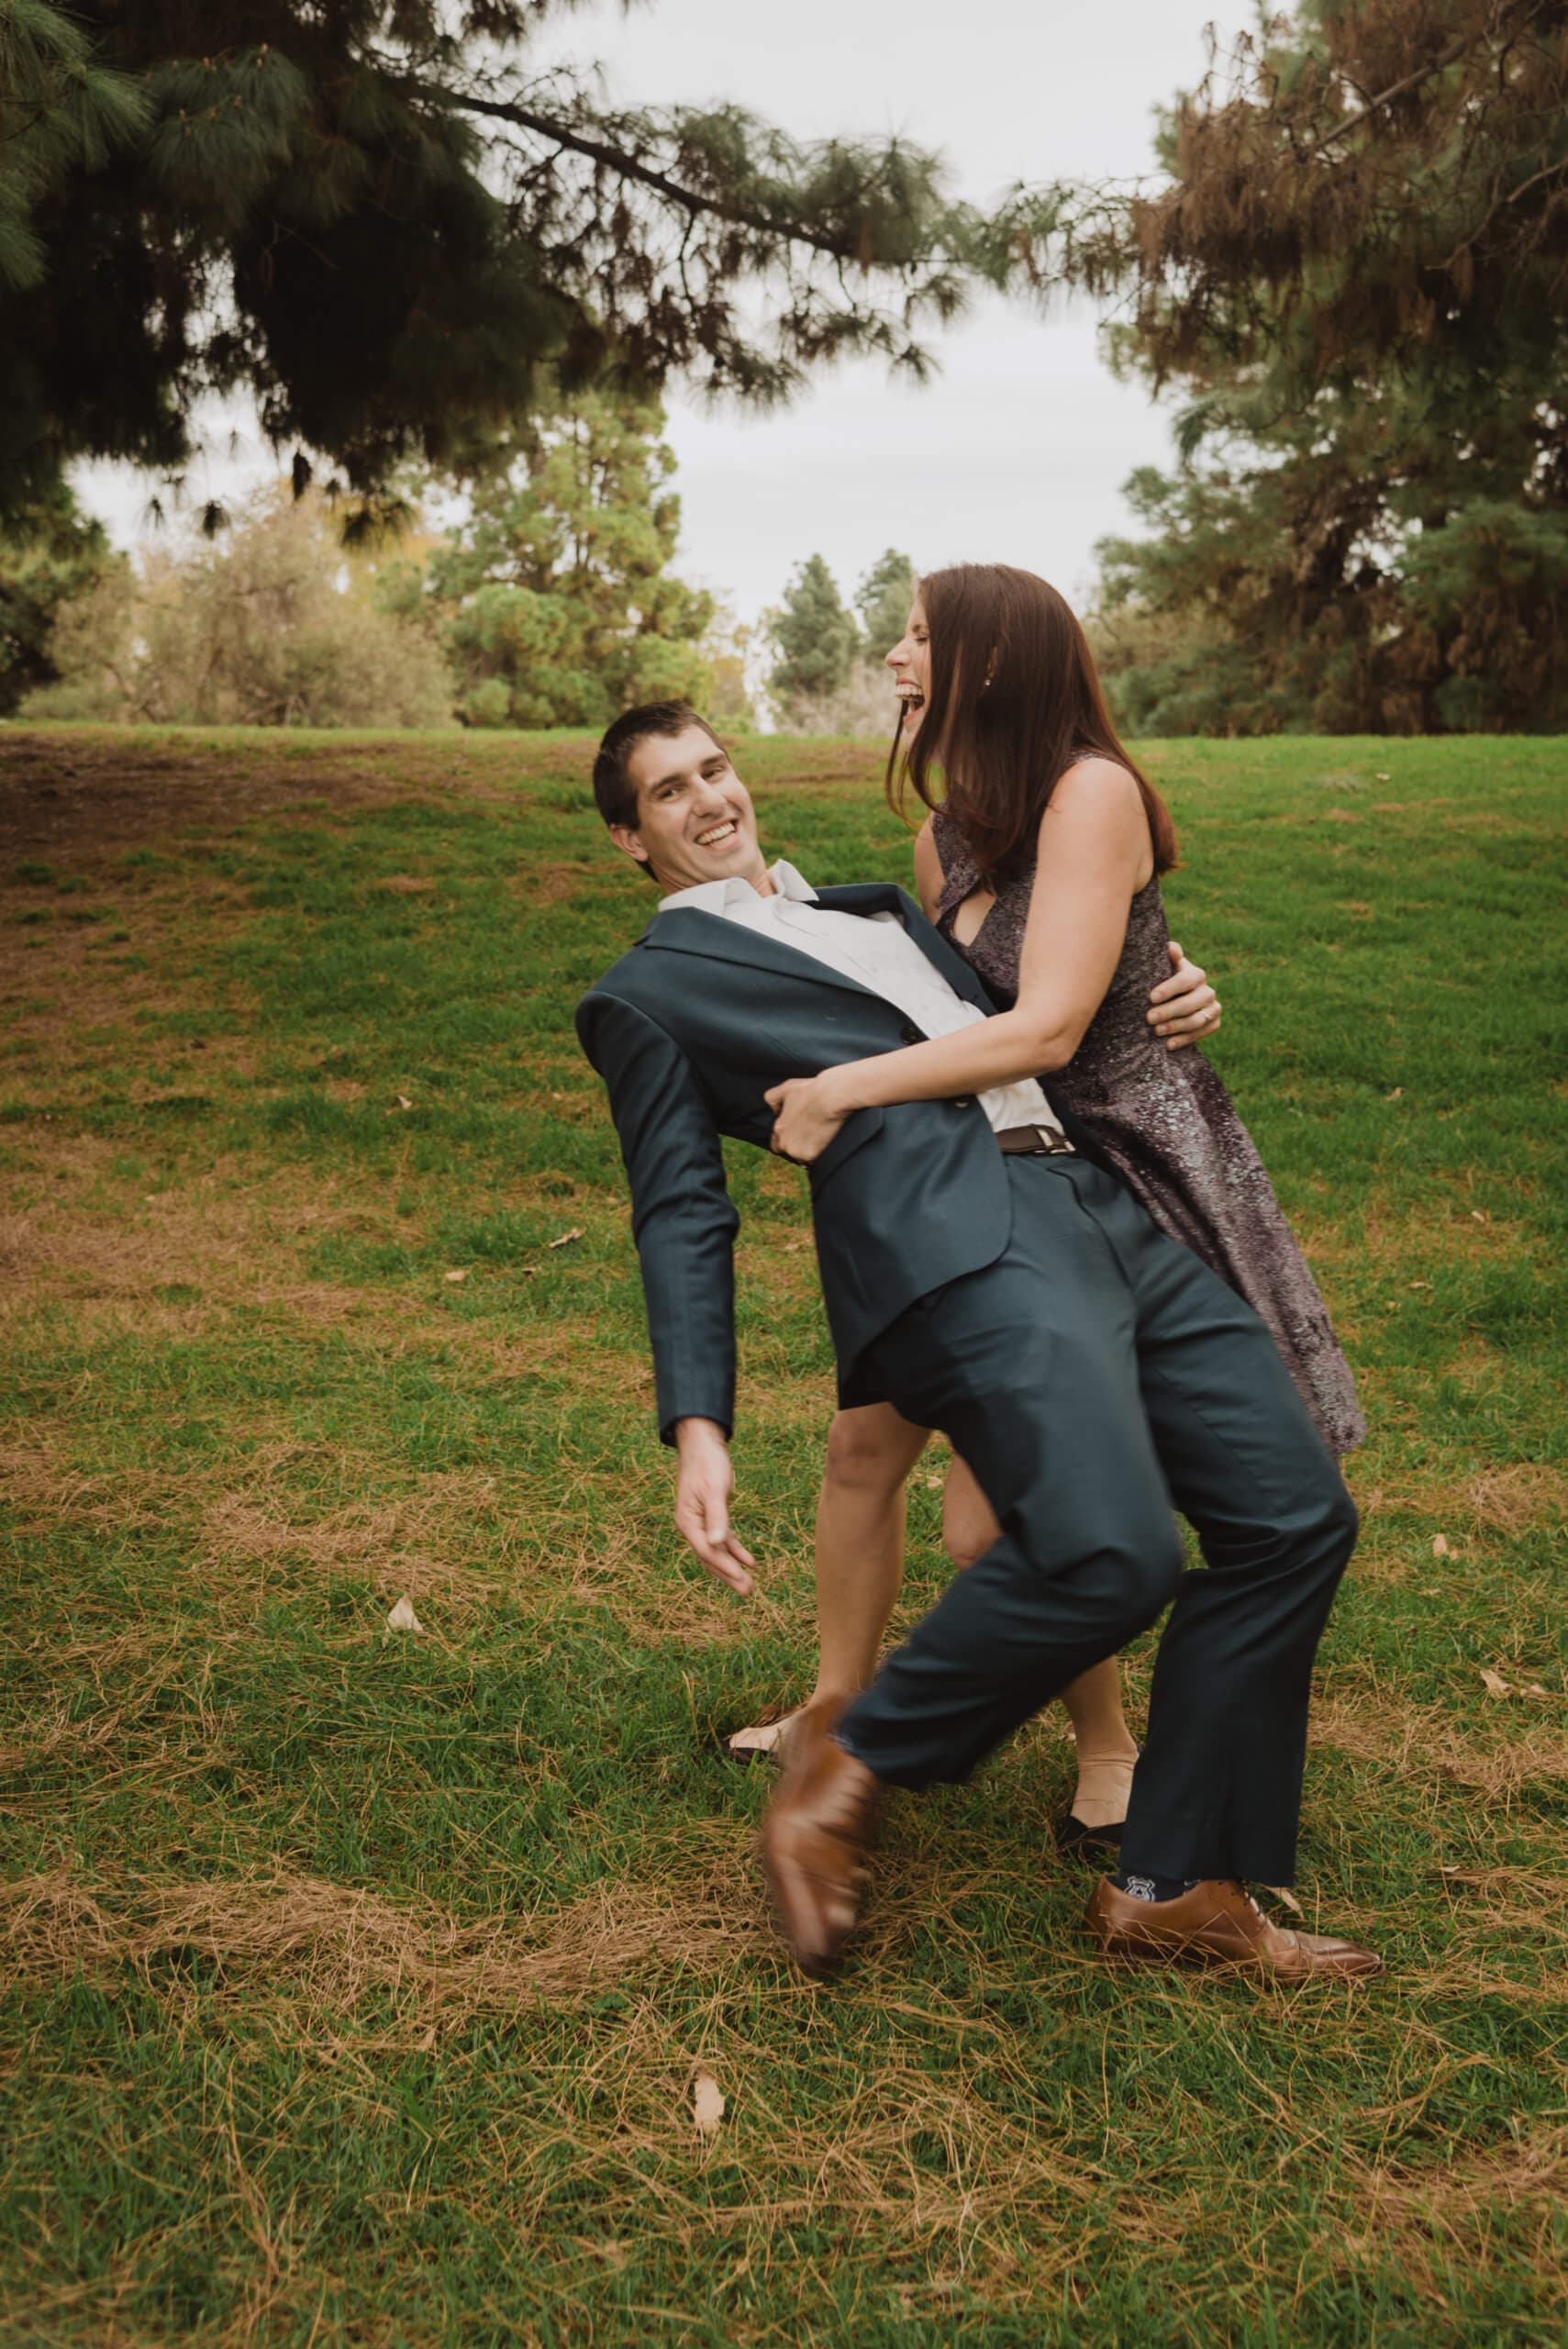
(457, 1276)
(1477, 1216)
(1496, 1684)
(708, 2104)
(1535, 1689)
(934, 1484)
(403, 1618)
(1372, 1502)
(1394, 1095)
(1381, 778)
(1285, 1899)
(403, 1101)
(567, 1237)
(1439, 1546)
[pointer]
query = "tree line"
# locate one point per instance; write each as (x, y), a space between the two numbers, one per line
(1349, 267)
(548, 602)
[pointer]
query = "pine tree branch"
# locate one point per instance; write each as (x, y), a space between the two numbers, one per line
(1439, 64)
(628, 166)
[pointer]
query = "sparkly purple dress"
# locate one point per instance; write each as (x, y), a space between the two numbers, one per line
(1166, 1123)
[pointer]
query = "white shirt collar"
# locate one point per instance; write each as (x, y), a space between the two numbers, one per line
(714, 896)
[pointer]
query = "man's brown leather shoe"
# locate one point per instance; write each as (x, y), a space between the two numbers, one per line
(1214, 1924)
(818, 1829)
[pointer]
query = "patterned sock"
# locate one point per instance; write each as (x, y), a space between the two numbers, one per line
(1154, 1887)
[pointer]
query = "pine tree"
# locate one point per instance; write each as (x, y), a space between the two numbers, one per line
(375, 216)
(556, 603)
(1357, 270)
(59, 113)
(882, 600)
(814, 636)
(51, 554)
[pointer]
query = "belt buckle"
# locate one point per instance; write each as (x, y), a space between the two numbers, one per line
(1053, 1144)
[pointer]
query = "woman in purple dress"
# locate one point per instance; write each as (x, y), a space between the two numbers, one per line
(1040, 861)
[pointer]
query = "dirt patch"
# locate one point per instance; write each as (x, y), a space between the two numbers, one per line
(547, 884)
(83, 795)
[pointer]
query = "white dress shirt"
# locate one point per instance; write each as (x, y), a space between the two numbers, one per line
(877, 951)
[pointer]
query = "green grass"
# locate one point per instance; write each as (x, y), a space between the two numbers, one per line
(356, 1981)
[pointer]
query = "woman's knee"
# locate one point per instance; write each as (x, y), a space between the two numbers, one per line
(871, 1450)
(969, 1524)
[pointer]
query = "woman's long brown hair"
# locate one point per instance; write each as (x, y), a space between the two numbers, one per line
(1014, 701)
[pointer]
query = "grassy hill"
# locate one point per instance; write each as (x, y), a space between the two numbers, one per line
(358, 1979)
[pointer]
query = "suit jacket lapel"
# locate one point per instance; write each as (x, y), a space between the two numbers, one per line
(687, 932)
(691, 933)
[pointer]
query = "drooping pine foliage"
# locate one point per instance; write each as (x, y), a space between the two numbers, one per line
(374, 213)
(59, 113)
(1358, 272)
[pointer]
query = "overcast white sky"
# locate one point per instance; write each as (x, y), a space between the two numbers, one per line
(1018, 451)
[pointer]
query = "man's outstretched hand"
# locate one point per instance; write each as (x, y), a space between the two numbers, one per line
(1185, 1008)
(703, 1486)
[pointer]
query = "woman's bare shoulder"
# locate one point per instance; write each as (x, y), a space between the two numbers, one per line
(1100, 790)
(1097, 777)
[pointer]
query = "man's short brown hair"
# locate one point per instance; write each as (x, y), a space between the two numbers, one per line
(615, 794)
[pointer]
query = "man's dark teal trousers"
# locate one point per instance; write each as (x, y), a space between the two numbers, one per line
(1094, 1377)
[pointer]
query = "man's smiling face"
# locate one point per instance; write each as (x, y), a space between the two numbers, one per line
(694, 821)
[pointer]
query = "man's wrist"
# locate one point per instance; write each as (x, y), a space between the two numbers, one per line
(693, 1433)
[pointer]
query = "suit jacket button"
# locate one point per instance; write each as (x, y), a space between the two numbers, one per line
(910, 1034)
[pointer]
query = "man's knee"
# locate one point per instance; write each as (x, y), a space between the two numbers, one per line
(1151, 1562)
(1336, 1521)
(1127, 1582)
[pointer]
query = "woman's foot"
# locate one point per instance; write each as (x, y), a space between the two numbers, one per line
(1092, 1825)
(762, 1741)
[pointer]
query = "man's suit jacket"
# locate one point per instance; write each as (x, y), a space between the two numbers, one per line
(688, 1030)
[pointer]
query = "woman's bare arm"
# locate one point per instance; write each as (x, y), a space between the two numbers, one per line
(1094, 854)
(927, 871)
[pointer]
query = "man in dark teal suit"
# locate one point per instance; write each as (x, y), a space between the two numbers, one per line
(983, 1274)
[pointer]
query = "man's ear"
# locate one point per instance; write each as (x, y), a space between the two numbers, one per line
(629, 843)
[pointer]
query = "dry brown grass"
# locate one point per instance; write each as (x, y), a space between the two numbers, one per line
(329, 1945)
(415, 1544)
(1430, 1745)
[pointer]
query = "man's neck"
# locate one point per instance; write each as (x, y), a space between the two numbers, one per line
(761, 881)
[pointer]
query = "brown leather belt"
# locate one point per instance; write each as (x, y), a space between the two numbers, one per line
(1033, 1141)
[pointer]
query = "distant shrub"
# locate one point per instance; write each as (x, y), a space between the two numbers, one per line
(272, 624)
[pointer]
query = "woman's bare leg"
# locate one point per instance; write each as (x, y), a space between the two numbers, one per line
(860, 1541)
(1104, 1746)
(860, 1553)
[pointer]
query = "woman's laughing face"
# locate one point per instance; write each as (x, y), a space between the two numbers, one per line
(910, 662)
